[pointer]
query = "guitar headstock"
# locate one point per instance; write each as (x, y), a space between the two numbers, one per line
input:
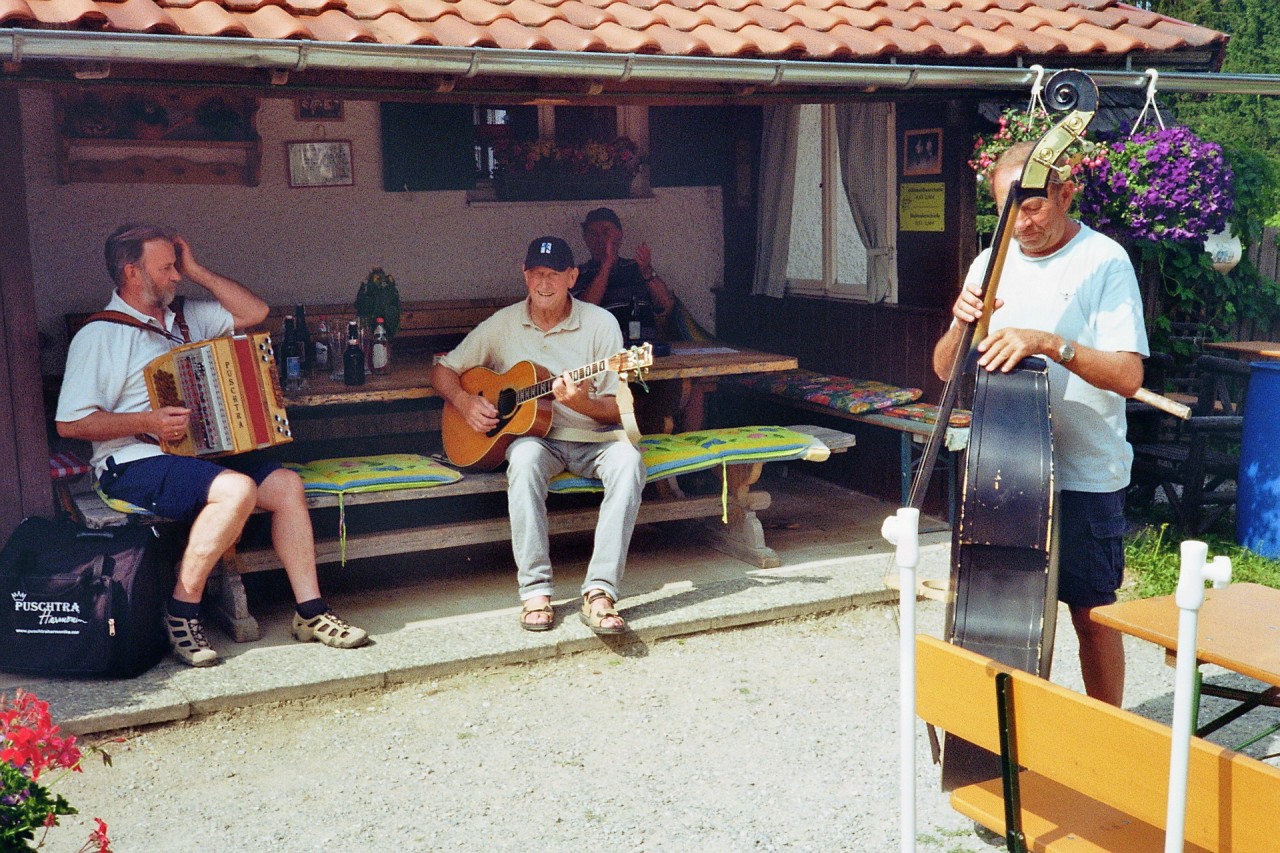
(632, 359)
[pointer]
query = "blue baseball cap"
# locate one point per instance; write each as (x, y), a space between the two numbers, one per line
(550, 252)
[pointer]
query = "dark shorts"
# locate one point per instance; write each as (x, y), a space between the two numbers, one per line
(176, 487)
(1090, 547)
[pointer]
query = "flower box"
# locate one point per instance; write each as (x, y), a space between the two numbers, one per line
(551, 186)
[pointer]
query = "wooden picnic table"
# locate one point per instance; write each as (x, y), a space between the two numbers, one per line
(409, 379)
(1238, 629)
(1253, 349)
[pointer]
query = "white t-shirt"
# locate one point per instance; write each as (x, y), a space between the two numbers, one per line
(1086, 292)
(510, 336)
(104, 369)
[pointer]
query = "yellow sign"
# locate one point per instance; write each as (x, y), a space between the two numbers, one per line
(921, 207)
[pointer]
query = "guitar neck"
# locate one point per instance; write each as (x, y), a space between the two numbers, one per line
(543, 388)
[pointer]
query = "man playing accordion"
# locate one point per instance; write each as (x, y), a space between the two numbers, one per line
(104, 400)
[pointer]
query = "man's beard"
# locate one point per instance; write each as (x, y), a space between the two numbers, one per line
(153, 293)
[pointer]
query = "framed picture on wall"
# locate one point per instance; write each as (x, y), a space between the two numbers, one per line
(317, 108)
(922, 152)
(323, 163)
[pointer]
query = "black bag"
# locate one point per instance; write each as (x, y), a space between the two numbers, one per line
(81, 602)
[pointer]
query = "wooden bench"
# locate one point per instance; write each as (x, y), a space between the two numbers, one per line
(741, 535)
(1094, 777)
(912, 435)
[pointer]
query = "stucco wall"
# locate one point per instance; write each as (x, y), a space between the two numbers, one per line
(316, 245)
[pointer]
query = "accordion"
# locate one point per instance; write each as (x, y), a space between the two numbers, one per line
(232, 389)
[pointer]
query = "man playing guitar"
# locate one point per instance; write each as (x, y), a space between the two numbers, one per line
(559, 333)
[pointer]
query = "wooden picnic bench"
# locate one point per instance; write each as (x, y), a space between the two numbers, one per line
(731, 526)
(1084, 775)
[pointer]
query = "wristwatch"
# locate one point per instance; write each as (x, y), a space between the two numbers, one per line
(1066, 352)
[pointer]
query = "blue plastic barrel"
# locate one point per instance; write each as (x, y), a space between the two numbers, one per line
(1258, 501)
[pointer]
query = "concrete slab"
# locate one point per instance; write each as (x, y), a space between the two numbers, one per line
(435, 614)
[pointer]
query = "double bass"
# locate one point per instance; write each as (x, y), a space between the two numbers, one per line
(1004, 550)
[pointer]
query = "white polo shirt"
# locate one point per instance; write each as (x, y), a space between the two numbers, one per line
(105, 363)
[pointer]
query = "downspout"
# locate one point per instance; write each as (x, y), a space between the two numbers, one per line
(29, 45)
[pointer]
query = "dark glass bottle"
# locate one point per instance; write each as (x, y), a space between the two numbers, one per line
(292, 361)
(353, 358)
(303, 337)
(634, 332)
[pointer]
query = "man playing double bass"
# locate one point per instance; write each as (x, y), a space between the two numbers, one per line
(1069, 294)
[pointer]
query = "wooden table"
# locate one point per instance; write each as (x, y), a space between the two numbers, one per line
(1239, 630)
(409, 378)
(1253, 349)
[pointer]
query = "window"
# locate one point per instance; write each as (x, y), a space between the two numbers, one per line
(819, 241)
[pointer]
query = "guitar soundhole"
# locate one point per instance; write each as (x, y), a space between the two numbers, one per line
(506, 406)
(506, 403)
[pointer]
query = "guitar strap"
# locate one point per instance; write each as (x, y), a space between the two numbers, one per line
(626, 408)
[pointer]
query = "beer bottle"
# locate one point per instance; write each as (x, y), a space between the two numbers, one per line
(381, 349)
(353, 358)
(302, 337)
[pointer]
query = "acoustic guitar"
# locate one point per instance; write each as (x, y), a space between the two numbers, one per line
(521, 396)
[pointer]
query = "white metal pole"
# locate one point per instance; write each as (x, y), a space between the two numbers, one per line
(1190, 596)
(903, 531)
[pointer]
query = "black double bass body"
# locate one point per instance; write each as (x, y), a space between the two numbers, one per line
(1004, 564)
(1004, 556)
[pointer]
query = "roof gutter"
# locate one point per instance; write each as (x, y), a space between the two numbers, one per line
(24, 45)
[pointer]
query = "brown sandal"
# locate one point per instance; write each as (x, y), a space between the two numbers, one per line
(537, 626)
(595, 620)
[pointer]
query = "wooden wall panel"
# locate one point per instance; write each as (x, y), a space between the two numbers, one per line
(24, 447)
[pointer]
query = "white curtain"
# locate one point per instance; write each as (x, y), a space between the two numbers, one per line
(867, 165)
(777, 191)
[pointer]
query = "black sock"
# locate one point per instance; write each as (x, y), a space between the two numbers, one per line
(311, 609)
(183, 609)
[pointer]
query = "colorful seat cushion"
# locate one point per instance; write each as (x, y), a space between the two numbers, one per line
(63, 464)
(372, 473)
(669, 455)
(119, 505)
(854, 396)
(928, 413)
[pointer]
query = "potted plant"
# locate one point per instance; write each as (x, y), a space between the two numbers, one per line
(378, 297)
(539, 170)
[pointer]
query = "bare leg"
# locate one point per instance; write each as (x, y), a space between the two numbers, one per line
(282, 495)
(1101, 657)
(216, 528)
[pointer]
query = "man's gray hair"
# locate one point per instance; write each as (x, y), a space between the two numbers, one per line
(1017, 155)
(124, 247)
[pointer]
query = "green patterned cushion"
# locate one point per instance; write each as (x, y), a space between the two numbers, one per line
(119, 505)
(669, 455)
(841, 393)
(372, 473)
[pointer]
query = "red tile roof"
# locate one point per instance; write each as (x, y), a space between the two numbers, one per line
(951, 31)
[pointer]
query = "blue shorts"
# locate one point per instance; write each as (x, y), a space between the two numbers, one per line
(176, 487)
(1090, 547)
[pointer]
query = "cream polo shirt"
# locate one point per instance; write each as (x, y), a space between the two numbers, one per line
(510, 336)
(1086, 292)
(104, 369)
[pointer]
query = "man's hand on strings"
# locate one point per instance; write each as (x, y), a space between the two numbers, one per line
(968, 306)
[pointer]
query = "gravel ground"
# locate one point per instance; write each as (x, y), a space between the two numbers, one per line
(780, 737)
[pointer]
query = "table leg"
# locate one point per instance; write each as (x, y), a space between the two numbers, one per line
(742, 536)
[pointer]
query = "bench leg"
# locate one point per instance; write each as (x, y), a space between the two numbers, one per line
(230, 604)
(743, 535)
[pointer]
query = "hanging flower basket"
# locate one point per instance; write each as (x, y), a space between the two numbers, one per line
(1166, 184)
